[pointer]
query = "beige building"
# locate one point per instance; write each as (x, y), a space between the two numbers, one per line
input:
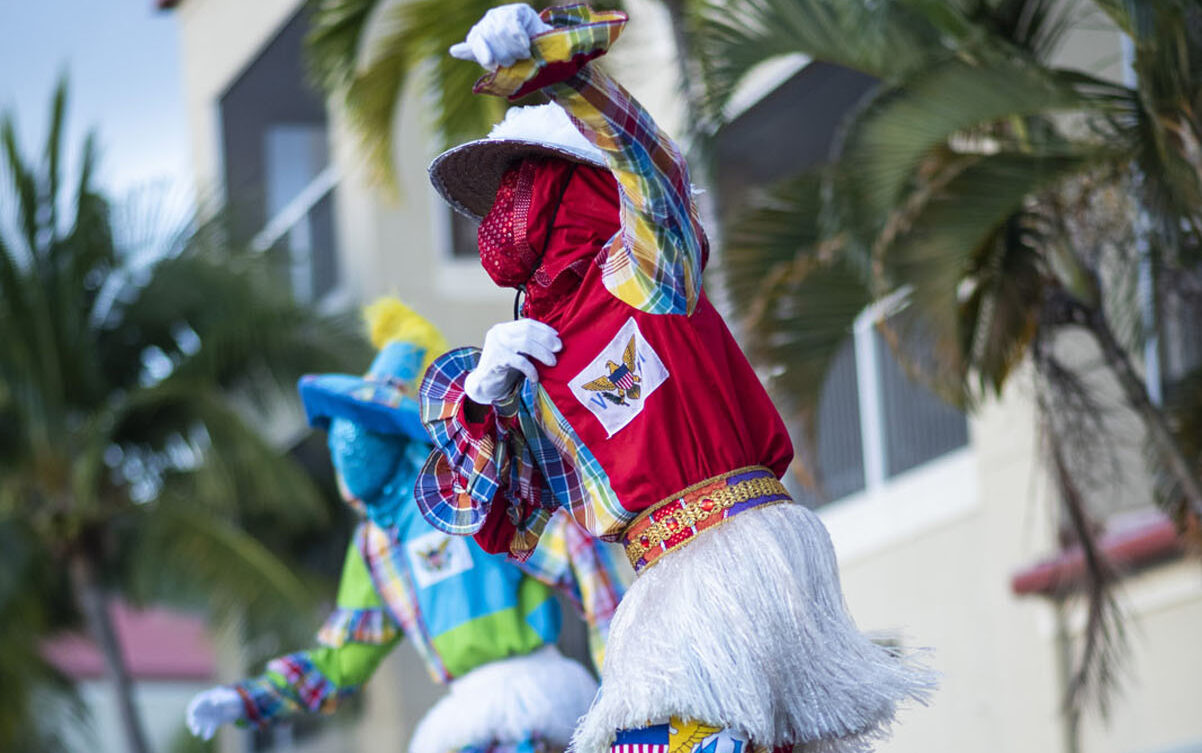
(932, 515)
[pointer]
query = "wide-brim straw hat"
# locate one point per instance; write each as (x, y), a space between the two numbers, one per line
(468, 175)
(385, 400)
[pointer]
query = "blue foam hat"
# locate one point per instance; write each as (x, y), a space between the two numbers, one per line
(385, 399)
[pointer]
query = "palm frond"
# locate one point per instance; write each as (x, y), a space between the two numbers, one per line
(998, 29)
(24, 186)
(365, 53)
(335, 39)
(1163, 124)
(797, 297)
(961, 235)
(188, 550)
(1036, 26)
(1073, 429)
(40, 703)
(882, 39)
(53, 158)
(886, 143)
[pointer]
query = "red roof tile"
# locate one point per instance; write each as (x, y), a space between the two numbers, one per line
(158, 645)
(1151, 540)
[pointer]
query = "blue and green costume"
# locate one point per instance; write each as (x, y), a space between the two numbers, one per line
(478, 620)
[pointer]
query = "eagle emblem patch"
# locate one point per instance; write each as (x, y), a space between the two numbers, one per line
(616, 384)
(436, 556)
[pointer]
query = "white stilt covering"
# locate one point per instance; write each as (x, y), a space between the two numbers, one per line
(543, 692)
(746, 627)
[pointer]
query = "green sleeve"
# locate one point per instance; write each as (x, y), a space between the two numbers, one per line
(352, 643)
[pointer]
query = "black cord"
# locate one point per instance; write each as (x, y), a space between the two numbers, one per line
(517, 302)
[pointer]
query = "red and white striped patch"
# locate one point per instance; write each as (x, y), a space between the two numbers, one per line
(639, 748)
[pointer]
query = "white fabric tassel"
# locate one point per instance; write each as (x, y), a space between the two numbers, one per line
(542, 692)
(746, 627)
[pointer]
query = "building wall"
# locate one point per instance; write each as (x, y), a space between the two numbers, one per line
(160, 705)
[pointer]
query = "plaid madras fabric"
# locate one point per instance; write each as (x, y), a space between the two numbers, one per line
(370, 626)
(311, 688)
(390, 575)
(654, 263)
(584, 570)
(534, 464)
(454, 496)
(265, 702)
(580, 33)
(292, 684)
(526, 456)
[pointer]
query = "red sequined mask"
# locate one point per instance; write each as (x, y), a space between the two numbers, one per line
(505, 250)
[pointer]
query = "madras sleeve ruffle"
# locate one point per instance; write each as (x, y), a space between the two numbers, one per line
(481, 479)
(585, 570)
(292, 685)
(456, 487)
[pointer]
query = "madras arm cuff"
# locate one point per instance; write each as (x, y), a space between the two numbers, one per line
(372, 627)
(580, 35)
(265, 701)
(299, 681)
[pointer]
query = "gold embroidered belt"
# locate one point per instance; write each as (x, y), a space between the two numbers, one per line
(674, 522)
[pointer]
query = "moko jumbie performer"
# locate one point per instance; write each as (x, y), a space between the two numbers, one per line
(480, 622)
(622, 397)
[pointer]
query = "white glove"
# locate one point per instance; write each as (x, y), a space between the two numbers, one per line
(212, 708)
(501, 37)
(505, 359)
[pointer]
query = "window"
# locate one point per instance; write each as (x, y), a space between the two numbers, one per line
(463, 236)
(873, 422)
(280, 186)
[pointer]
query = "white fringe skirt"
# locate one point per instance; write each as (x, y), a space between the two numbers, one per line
(542, 693)
(746, 628)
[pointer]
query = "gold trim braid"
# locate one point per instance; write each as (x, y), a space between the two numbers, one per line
(675, 521)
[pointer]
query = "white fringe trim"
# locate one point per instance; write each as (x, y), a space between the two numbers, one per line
(746, 628)
(505, 701)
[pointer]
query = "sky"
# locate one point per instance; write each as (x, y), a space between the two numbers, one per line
(122, 59)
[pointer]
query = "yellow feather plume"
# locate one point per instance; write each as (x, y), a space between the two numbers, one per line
(389, 320)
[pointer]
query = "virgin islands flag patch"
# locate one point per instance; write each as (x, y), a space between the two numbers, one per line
(616, 384)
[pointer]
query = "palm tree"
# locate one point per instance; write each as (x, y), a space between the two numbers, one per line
(132, 368)
(1000, 202)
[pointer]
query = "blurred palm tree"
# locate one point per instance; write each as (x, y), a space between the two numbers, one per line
(996, 201)
(134, 365)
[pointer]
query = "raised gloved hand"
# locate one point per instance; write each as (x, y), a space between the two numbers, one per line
(501, 37)
(212, 708)
(505, 359)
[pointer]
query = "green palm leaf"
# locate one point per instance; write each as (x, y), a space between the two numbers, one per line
(797, 298)
(883, 39)
(887, 142)
(134, 365)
